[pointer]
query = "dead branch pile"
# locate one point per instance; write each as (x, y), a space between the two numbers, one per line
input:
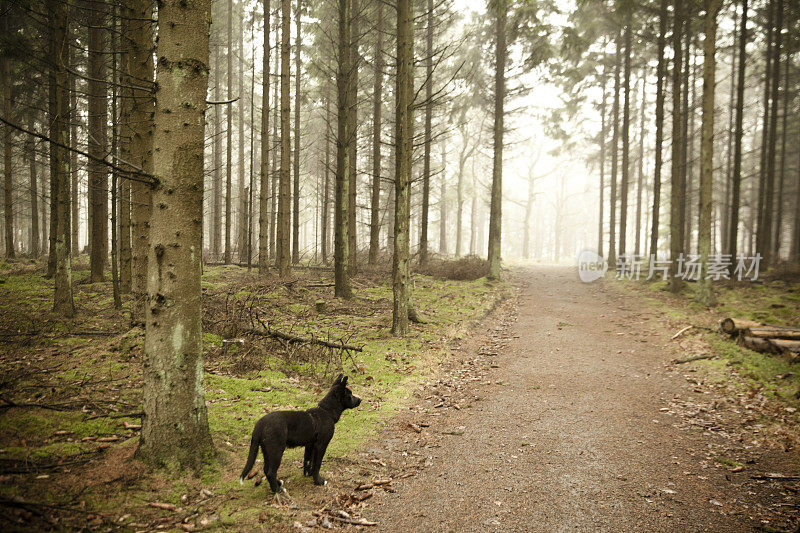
(764, 338)
(467, 268)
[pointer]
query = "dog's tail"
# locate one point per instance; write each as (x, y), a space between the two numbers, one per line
(251, 458)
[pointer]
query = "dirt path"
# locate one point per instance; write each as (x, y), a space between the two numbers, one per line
(568, 431)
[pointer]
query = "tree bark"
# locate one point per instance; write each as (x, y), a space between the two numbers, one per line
(216, 155)
(603, 103)
(284, 196)
(98, 174)
(612, 226)
(59, 133)
(264, 195)
(355, 62)
(75, 212)
(443, 202)
(767, 244)
(34, 193)
(705, 294)
(242, 218)
(761, 238)
(626, 125)
(640, 179)
(8, 184)
(229, 141)
(125, 155)
(326, 193)
(296, 192)
(404, 142)
(677, 177)
(426, 160)
(175, 425)
(143, 107)
(344, 136)
(736, 184)
(377, 107)
(496, 205)
(776, 240)
(660, 97)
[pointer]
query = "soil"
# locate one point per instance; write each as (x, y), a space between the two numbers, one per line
(560, 415)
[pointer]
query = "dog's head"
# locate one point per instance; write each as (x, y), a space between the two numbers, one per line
(343, 394)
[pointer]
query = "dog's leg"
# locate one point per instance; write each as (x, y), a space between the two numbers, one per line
(319, 452)
(308, 460)
(271, 464)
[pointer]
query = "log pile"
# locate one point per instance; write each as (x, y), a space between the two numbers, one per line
(764, 338)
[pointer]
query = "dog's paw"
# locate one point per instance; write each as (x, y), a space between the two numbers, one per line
(241, 481)
(320, 481)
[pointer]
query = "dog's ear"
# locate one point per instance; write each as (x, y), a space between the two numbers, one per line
(338, 379)
(344, 381)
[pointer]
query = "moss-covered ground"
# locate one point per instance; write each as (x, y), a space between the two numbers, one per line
(71, 391)
(732, 366)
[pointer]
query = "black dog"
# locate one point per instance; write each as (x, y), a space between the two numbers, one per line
(274, 432)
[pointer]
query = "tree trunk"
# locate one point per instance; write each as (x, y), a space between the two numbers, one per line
(98, 174)
(496, 206)
(660, 97)
(733, 223)
(125, 155)
(462, 160)
(143, 107)
(603, 101)
(115, 130)
(34, 193)
(426, 162)
(404, 142)
(273, 217)
(769, 192)
(344, 137)
(296, 192)
(612, 227)
(175, 425)
(443, 203)
(526, 229)
(762, 174)
(242, 218)
(75, 248)
(725, 207)
(776, 241)
(687, 153)
(677, 177)
(640, 179)
(355, 60)
(8, 186)
(59, 133)
(284, 196)
(229, 141)
(326, 193)
(705, 294)
(264, 194)
(626, 124)
(216, 155)
(377, 106)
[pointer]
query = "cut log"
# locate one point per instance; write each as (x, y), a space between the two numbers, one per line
(787, 346)
(732, 326)
(774, 332)
(757, 344)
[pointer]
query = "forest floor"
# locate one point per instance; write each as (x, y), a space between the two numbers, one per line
(562, 409)
(67, 448)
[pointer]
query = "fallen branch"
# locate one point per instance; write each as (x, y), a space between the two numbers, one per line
(355, 522)
(693, 358)
(294, 339)
(779, 477)
(681, 332)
